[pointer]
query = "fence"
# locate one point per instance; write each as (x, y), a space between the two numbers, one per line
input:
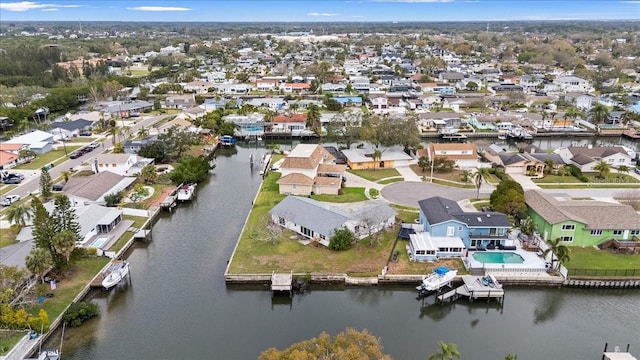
(605, 272)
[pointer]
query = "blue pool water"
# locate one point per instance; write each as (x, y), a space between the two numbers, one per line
(498, 257)
(99, 242)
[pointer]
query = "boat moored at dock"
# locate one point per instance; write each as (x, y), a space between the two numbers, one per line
(440, 277)
(186, 192)
(117, 271)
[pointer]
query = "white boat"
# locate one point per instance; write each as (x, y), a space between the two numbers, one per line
(186, 192)
(49, 355)
(440, 277)
(116, 272)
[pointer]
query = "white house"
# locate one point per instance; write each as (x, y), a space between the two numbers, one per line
(121, 164)
(573, 84)
(584, 102)
(586, 158)
(318, 220)
(37, 141)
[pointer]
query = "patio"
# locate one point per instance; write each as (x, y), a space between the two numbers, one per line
(533, 265)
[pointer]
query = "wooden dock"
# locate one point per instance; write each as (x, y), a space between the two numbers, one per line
(474, 288)
(281, 282)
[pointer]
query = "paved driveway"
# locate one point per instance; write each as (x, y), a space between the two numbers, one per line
(409, 193)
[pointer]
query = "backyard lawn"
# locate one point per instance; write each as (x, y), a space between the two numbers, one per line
(349, 194)
(595, 259)
(53, 156)
(593, 179)
(8, 236)
(404, 266)
(375, 175)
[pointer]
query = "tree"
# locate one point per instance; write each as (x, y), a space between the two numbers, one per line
(423, 163)
(45, 183)
(313, 118)
(623, 170)
(148, 174)
(548, 165)
(64, 217)
(441, 164)
(190, 170)
(113, 199)
(527, 226)
(599, 114)
(345, 128)
(350, 344)
(466, 176)
(64, 243)
(342, 239)
(472, 86)
(508, 198)
(38, 262)
(376, 156)
(44, 228)
(142, 132)
(25, 155)
(561, 251)
(19, 214)
(138, 192)
(65, 175)
(603, 168)
(447, 352)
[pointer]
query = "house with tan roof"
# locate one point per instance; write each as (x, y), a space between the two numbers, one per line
(310, 169)
(465, 155)
(587, 157)
(581, 222)
(85, 190)
(362, 159)
(289, 124)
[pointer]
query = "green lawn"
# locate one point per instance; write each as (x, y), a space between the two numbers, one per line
(453, 184)
(375, 175)
(350, 194)
(390, 181)
(82, 139)
(593, 179)
(139, 72)
(8, 236)
(589, 186)
(479, 204)
(53, 156)
(404, 266)
(6, 188)
(557, 179)
(407, 216)
(594, 259)
(9, 338)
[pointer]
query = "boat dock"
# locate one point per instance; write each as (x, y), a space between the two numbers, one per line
(281, 282)
(266, 160)
(475, 287)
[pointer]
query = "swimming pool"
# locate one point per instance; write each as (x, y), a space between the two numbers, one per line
(498, 257)
(99, 242)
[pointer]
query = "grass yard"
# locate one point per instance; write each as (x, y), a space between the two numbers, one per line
(6, 188)
(391, 181)
(375, 175)
(349, 195)
(404, 266)
(595, 259)
(139, 72)
(82, 139)
(589, 186)
(480, 204)
(612, 178)
(9, 338)
(407, 216)
(54, 156)
(453, 184)
(8, 236)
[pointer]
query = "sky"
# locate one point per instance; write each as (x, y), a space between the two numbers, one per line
(318, 10)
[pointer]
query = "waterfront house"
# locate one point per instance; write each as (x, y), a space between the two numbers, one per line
(247, 125)
(362, 159)
(85, 190)
(310, 169)
(442, 217)
(581, 222)
(293, 124)
(318, 221)
(465, 155)
(121, 164)
(132, 146)
(587, 157)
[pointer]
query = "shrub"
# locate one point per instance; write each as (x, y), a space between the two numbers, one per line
(79, 312)
(577, 173)
(342, 239)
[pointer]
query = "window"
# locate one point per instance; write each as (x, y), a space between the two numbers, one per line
(459, 228)
(621, 160)
(306, 232)
(634, 232)
(617, 232)
(596, 232)
(281, 221)
(566, 238)
(451, 230)
(569, 227)
(420, 252)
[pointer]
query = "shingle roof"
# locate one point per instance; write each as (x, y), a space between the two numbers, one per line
(327, 181)
(71, 125)
(314, 215)
(295, 179)
(331, 169)
(594, 214)
(438, 210)
(92, 187)
(306, 156)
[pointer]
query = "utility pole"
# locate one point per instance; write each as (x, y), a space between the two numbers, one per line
(63, 143)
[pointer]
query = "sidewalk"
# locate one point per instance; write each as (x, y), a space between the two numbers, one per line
(525, 181)
(408, 174)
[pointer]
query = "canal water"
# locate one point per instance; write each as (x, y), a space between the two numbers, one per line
(177, 305)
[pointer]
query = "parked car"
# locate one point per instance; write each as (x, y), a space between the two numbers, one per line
(9, 199)
(75, 154)
(13, 180)
(94, 145)
(85, 133)
(85, 150)
(637, 171)
(57, 187)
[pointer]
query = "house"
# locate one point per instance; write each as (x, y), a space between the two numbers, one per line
(133, 146)
(294, 87)
(442, 217)
(197, 86)
(96, 220)
(572, 84)
(465, 155)
(581, 222)
(10, 155)
(318, 220)
(483, 122)
(85, 190)
(40, 142)
(349, 100)
(310, 169)
(361, 159)
(125, 110)
(185, 101)
(586, 158)
(293, 124)
(121, 164)
(379, 103)
(68, 129)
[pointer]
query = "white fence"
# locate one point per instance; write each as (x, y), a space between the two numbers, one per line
(135, 212)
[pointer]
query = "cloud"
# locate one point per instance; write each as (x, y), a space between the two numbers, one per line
(51, 9)
(322, 14)
(415, 1)
(631, 2)
(159, 8)
(29, 5)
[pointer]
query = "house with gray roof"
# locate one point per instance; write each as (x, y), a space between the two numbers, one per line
(587, 157)
(85, 190)
(69, 129)
(132, 146)
(581, 222)
(318, 220)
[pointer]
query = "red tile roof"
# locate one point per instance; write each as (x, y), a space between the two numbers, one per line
(290, 119)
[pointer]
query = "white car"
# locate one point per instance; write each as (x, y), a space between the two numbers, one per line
(9, 199)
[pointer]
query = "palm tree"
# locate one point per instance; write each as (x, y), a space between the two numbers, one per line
(19, 214)
(548, 165)
(66, 175)
(466, 176)
(38, 262)
(114, 132)
(377, 155)
(142, 132)
(599, 114)
(623, 170)
(557, 248)
(603, 168)
(478, 178)
(64, 243)
(447, 352)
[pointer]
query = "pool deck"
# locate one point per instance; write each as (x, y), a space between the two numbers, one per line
(533, 264)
